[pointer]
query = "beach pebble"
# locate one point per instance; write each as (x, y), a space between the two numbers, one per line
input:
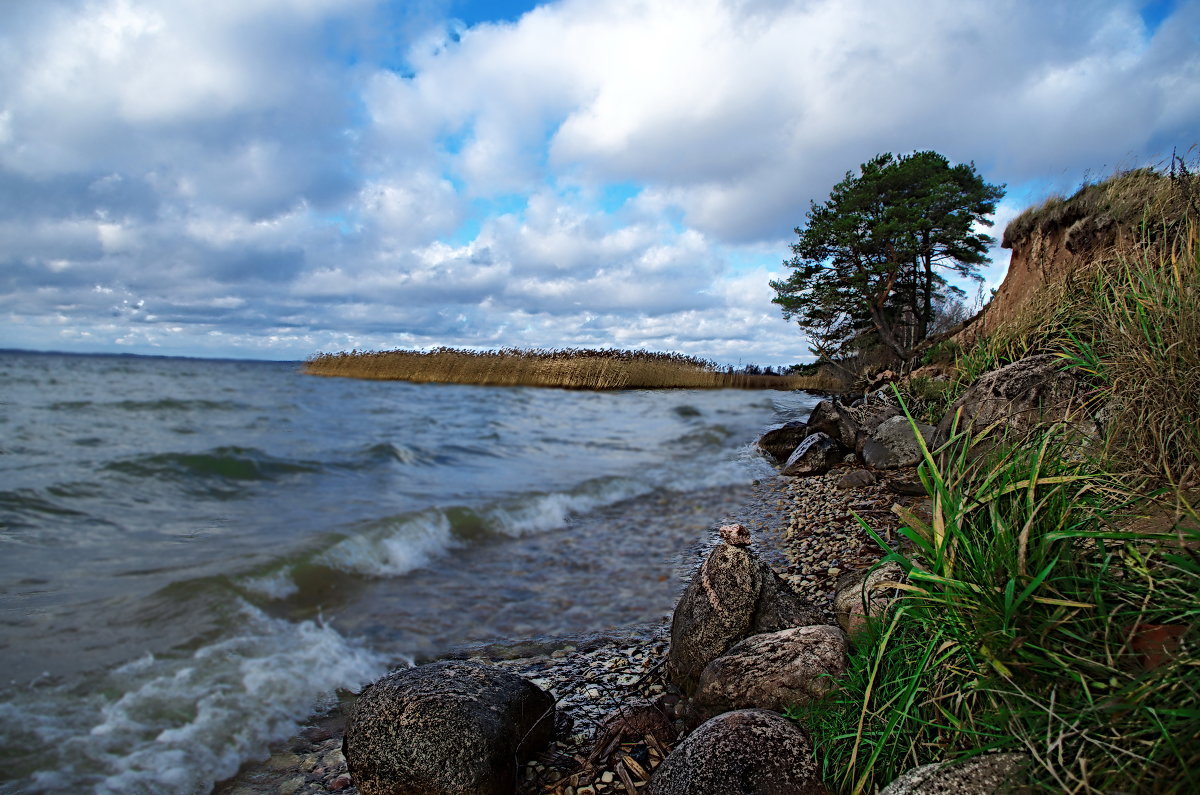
(285, 762)
(856, 480)
(291, 786)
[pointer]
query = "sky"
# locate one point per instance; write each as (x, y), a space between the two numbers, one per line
(270, 179)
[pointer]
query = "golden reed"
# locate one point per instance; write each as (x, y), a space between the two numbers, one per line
(569, 368)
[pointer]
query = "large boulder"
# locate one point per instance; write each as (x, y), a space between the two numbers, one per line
(448, 727)
(864, 418)
(850, 426)
(778, 443)
(893, 444)
(748, 752)
(988, 774)
(826, 418)
(733, 595)
(773, 671)
(816, 455)
(1020, 397)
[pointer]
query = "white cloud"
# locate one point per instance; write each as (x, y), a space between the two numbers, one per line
(255, 174)
(409, 210)
(738, 113)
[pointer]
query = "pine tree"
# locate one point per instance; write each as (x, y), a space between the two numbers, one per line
(871, 258)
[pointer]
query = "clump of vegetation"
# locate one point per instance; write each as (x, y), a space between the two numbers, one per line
(1030, 621)
(1050, 601)
(1130, 318)
(568, 368)
(1141, 344)
(1131, 323)
(929, 398)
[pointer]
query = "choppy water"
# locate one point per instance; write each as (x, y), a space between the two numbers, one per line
(195, 554)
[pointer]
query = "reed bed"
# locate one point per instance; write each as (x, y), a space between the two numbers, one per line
(567, 368)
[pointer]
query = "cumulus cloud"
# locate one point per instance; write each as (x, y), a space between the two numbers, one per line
(275, 177)
(739, 113)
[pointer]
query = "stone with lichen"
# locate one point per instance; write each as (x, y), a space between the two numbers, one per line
(733, 595)
(447, 727)
(750, 750)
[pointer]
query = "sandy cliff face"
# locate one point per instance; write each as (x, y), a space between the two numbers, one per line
(1044, 254)
(1062, 237)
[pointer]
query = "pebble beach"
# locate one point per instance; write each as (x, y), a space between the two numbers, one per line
(805, 527)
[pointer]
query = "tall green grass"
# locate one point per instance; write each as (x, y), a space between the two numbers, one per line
(1018, 629)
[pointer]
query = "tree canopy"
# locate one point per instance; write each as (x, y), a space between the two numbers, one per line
(875, 255)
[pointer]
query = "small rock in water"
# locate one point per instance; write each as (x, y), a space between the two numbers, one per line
(316, 734)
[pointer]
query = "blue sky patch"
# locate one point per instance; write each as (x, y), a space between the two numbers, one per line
(1156, 12)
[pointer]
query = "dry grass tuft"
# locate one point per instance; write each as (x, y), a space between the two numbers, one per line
(1144, 350)
(569, 368)
(1142, 198)
(1130, 321)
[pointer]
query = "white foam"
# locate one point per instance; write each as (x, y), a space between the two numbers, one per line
(275, 585)
(194, 721)
(543, 512)
(183, 723)
(136, 665)
(751, 461)
(730, 468)
(390, 549)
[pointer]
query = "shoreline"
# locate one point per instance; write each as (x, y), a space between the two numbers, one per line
(804, 527)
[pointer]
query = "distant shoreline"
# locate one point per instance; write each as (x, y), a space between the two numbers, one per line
(125, 355)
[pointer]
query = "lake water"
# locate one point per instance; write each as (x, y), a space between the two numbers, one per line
(195, 555)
